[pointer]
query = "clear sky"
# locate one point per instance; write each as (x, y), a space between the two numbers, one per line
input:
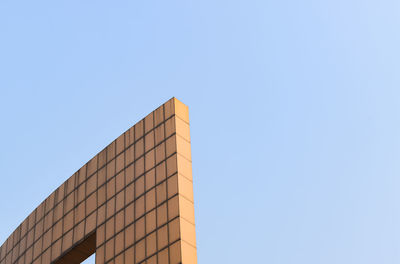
(294, 110)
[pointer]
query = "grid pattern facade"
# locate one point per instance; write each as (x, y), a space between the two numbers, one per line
(135, 197)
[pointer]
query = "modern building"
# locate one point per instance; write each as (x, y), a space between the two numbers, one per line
(131, 203)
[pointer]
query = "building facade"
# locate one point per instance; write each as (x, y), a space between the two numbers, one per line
(131, 203)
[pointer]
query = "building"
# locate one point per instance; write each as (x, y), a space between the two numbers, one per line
(131, 203)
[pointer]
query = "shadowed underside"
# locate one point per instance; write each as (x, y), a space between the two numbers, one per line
(79, 252)
(131, 203)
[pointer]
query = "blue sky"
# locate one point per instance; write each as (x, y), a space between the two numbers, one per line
(294, 109)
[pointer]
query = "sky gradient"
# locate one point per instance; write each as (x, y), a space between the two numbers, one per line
(294, 111)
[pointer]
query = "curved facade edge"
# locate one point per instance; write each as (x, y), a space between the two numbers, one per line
(131, 203)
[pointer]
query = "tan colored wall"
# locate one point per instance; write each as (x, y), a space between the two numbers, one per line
(134, 199)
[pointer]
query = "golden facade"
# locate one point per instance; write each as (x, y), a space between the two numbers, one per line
(131, 203)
